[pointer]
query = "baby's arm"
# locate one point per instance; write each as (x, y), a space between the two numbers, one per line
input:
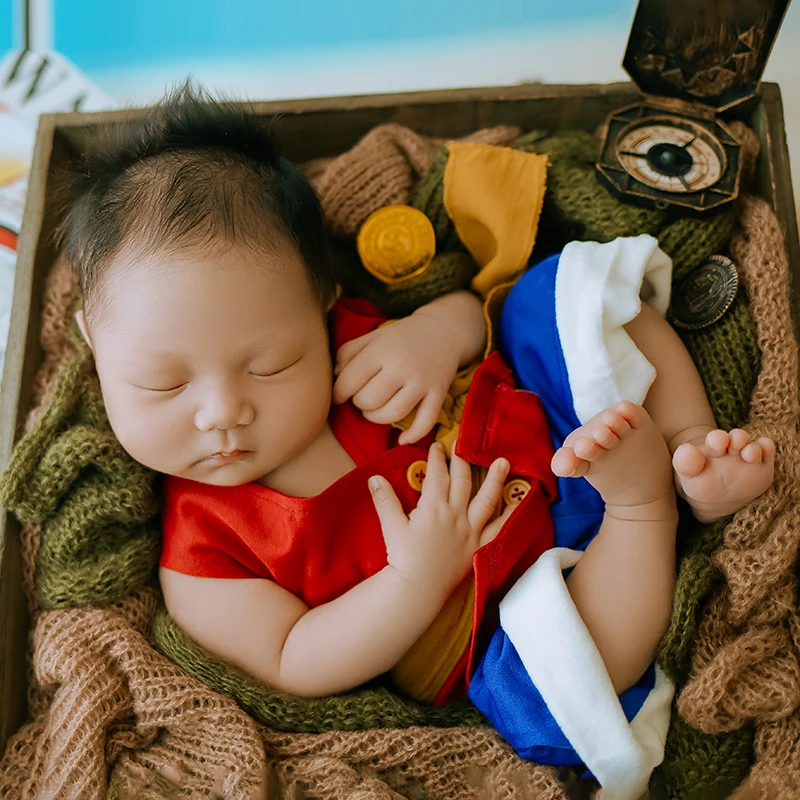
(271, 634)
(411, 363)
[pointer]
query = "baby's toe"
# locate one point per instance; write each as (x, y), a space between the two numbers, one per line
(738, 440)
(634, 415)
(767, 448)
(717, 443)
(615, 422)
(752, 453)
(688, 461)
(605, 436)
(586, 448)
(565, 464)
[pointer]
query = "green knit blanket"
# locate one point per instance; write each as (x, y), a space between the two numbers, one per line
(98, 509)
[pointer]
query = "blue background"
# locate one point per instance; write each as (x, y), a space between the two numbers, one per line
(7, 21)
(98, 33)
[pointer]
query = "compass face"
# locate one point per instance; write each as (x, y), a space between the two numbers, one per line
(672, 155)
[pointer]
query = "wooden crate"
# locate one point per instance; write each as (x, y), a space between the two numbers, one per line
(308, 129)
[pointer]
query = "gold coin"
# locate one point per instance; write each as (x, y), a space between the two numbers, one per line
(396, 243)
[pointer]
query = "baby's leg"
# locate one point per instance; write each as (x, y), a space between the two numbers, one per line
(623, 584)
(717, 472)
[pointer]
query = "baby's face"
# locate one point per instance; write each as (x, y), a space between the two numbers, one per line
(213, 367)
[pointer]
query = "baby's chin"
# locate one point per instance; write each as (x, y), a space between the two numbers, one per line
(226, 475)
(232, 474)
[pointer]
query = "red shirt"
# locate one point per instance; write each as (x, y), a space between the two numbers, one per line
(319, 547)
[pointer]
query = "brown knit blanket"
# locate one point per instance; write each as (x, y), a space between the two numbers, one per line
(108, 710)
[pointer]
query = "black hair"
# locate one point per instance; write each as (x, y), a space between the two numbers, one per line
(188, 171)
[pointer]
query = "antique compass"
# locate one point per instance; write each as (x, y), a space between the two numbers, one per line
(691, 61)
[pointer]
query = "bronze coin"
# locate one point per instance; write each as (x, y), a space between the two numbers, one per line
(704, 295)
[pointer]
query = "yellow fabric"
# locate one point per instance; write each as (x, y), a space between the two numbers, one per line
(422, 671)
(492, 306)
(494, 196)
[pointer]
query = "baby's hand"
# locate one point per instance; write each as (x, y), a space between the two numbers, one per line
(411, 363)
(395, 369)
(432, 547)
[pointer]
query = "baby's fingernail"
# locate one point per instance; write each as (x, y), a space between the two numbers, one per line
(374, 483)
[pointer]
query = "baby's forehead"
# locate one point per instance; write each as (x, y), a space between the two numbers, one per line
(172, 285)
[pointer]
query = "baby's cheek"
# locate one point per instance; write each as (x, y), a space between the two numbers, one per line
(142, 430)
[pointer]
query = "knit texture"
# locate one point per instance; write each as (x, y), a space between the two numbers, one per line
(109, 710)
(361, 709)
(71, 474)
(380, 171)
(734, 638)
(701, 766)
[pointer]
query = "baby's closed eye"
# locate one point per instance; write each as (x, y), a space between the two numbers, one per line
(160, 387)
(269, 371)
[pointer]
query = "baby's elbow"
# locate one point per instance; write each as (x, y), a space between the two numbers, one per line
(302, 683)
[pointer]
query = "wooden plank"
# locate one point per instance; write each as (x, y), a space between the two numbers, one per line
(776, 183)
(23, 357)
(521, 91)
(449, 113)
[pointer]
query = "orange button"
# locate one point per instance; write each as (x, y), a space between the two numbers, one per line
(515, 491)
(415, 474)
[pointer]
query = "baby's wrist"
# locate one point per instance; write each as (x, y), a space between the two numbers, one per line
(429, 591)
(459, 317)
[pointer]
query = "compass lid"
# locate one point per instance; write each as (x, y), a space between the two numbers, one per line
(711, 52)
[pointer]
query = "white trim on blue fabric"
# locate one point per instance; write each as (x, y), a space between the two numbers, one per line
(561, 658)
(598, 292)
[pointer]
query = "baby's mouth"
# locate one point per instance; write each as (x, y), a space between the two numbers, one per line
(226, 456)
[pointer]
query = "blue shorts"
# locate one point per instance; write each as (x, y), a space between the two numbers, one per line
(542, 680)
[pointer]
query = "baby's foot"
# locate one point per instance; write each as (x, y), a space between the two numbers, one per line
(622, 454)
(723, 472)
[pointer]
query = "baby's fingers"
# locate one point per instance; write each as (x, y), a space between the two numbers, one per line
(485, 501)
(425, 418)
(494, 527)
(349, 350)
(460, 482)
(354, 375)
(436, 486)
(390, 511)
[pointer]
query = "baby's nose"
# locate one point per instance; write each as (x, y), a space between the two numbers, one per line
(222, 411)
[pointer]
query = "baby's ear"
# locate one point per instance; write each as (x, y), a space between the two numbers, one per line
(80, 318)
